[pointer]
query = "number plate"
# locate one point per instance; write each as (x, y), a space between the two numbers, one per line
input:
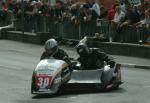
(43, 81)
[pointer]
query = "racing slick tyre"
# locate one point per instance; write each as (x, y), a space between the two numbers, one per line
(109, 81)
(59, 92)
(103, 82)
(33, 87)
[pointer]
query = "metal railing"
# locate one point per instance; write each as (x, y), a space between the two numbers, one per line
(65, 28)
(5, 18)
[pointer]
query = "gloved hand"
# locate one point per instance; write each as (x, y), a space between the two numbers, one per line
(67, 60)
(84, 40)
(111, 63)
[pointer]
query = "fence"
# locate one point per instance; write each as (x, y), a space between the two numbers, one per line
(67, 29)
(5, 18)
(64, 28)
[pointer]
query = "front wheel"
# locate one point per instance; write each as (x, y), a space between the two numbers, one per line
(33, 87)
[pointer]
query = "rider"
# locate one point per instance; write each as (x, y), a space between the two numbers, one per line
(92, 58)
(53, 51)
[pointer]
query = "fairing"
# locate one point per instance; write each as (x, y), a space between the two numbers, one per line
(47, 76)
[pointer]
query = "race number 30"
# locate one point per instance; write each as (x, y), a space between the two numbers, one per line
(43, 82)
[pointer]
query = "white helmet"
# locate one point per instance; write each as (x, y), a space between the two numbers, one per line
(51, 45)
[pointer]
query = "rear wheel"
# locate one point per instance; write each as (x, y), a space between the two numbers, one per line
(106, 82)
(103, 81)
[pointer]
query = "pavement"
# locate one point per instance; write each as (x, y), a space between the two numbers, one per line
(132, 62)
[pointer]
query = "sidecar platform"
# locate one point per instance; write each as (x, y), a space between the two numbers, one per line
(84, 80)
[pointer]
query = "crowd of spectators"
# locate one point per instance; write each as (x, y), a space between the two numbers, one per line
(72, 9)
(121, 13)
(133, 15)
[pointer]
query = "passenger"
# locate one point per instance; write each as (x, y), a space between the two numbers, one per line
(53, 51)
(92, 58)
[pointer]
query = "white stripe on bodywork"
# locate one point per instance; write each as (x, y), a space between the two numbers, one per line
(51, 67)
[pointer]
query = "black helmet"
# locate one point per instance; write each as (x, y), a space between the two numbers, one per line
(83, 50)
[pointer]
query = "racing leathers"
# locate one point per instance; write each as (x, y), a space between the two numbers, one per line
(59, 54)
(95, 59)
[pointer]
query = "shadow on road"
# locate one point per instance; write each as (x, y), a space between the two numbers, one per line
(67, 93)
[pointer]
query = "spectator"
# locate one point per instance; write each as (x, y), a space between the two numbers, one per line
(119, 15)
(146, 21)
(118, 18)
(91, 10)
(50, 11)
(17, 10)
(131, 17)
(142, 7)
(123, 6)
(67, 9)
(95, 9)
(103, 13)
(99, 37)
(3, 12)
(31, 15)
(84, 12)
(111, 13)
(59, 9)
(88, 3)
(32, 9)
(75, 9)
(4, 6)
(147, 4)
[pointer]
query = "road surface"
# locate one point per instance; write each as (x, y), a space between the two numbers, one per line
(17, 61)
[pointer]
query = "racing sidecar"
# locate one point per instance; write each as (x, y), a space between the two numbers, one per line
(52, 75)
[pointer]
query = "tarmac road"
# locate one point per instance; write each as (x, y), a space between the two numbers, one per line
(17, 61)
